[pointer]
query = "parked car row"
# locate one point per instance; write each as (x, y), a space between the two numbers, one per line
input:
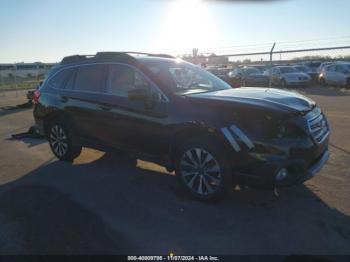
(298, 74)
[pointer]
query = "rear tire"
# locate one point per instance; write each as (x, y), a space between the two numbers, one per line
(202, 169)
(60, 141)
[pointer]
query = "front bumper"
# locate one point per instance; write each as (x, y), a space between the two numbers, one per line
(315, 168)
(298, 172)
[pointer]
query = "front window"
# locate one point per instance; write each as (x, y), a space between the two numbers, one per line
(122, 79)
(186, 78)
(346, 68)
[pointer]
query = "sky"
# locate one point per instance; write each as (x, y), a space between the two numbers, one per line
(47, 30)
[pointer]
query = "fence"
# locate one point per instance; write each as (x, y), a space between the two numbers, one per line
(22, 75)
(272, 54)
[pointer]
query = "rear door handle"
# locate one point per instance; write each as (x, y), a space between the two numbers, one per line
(105, 108)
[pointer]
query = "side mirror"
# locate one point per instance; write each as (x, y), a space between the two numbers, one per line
(139, 94)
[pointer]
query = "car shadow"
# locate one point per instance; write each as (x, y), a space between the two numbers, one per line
(6, 110)
(115, 204)
(28, 141)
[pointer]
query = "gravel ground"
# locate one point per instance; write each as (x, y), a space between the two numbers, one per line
(108, 204)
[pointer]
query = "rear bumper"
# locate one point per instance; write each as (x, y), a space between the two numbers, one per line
(39, 124)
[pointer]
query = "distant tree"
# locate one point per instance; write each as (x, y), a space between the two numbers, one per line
(312, 57)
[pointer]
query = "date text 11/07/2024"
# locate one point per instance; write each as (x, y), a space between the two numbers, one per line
(172, 257)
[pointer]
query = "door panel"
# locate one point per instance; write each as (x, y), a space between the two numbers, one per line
(83, 100)
(136, 125)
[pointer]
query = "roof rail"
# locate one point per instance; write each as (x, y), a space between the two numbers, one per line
(109, 56)
(74, 59)
(113, 55)
(150, 54)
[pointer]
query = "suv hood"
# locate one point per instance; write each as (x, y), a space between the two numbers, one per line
(268, 98)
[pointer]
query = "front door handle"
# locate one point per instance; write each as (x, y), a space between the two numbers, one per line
(64, 99)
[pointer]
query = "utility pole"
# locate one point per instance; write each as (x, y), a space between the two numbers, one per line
(16, 79)
(194, 55)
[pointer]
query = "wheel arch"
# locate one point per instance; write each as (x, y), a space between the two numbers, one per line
(53, 116)
(191, 132)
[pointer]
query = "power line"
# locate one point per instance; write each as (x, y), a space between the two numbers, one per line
(281, 45)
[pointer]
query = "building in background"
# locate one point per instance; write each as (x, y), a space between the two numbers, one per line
(25, 70)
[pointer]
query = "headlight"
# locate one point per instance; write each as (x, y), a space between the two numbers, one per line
(289, 130)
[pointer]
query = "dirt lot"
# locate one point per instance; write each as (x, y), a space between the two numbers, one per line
(107, 204)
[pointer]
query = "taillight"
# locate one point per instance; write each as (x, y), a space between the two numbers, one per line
(36, 96)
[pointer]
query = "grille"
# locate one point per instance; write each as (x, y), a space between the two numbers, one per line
(318, 128)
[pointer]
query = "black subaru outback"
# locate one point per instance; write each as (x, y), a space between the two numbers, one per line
(168, 111)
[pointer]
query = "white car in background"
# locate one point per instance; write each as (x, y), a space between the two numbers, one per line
(336, 74)
(288, 76)
(323, 65)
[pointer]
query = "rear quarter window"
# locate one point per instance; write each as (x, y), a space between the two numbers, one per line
(60, 79)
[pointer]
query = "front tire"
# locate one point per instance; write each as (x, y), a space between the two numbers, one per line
(202, 170)
(60, 141)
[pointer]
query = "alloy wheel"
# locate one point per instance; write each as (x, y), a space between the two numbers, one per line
(200, 171)
(58, 140)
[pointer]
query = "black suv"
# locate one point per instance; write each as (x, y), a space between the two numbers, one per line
(171, 112)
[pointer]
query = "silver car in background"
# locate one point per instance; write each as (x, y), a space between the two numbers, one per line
(285, 76)
(336, 74)
(307, 70)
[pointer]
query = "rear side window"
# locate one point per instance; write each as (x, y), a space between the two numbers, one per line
(91, 78)
(60, 79)
(69, 85)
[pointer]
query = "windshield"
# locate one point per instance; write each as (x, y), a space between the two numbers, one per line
(261, 69)
(302, 68)
(251, 70)
(185, 78)
(347, 67)
(285, 70)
